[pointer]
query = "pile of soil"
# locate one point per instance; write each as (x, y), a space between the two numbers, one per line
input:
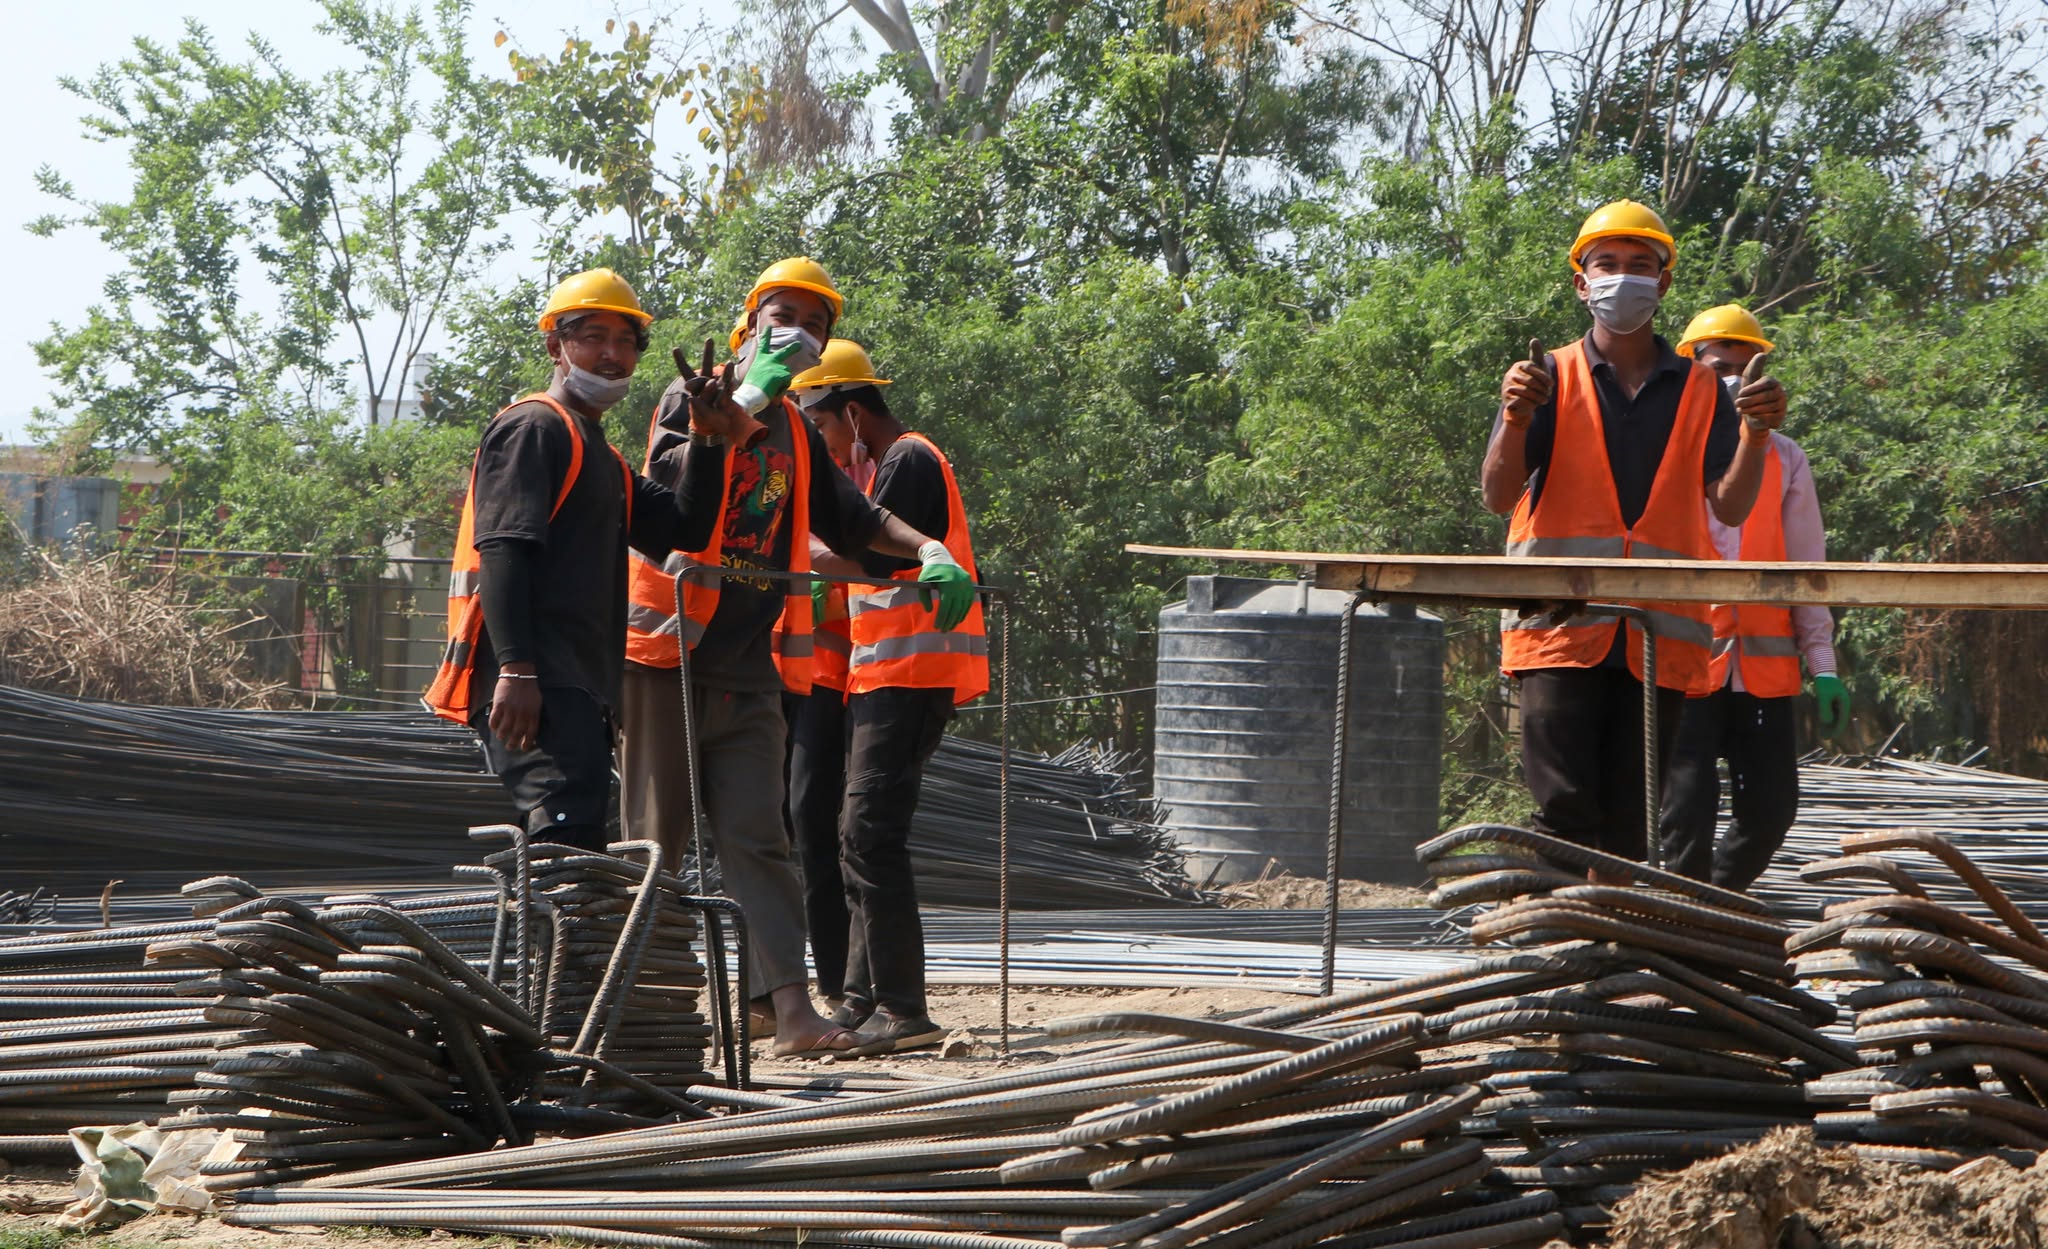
(1303, 893)
(1788, 1191)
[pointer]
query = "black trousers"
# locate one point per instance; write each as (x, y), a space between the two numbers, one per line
(562, 787)
(817, 783)
(1582, 754)
(893, 732)
(1756, 737)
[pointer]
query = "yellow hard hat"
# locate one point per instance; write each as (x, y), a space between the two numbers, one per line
(844, 365)
(593, 290)
(739, 332)
(802, 273)
(1729, 321)
(1624, 219)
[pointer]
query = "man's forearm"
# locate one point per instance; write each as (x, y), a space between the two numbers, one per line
(1505, 472)
(897, 539)
(1734, 495)
(505, 592)
(833, 564)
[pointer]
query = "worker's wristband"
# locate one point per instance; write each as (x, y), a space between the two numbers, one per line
(519, 676)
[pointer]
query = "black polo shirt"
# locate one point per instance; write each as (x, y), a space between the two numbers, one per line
(911, 485)
(1637, 429)
(579, 553)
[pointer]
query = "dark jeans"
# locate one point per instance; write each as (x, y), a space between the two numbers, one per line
(892, 733)
(1582, 754)
(817, 782)
(562, 786)
(1755, 735)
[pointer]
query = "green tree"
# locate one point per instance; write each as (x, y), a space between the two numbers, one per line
(596, 111)
(362, 199)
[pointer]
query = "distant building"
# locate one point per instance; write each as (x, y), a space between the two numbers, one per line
(49, 508)
(409, 404)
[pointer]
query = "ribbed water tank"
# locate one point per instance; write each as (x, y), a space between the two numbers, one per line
(1246, 708)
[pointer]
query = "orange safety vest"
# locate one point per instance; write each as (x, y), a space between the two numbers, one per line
(896, 645)
(1760, 637)
(1579, 516)
(448, 695)
(832, 643)
(654, 634)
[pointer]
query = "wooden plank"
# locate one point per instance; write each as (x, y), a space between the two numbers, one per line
(2016, 587)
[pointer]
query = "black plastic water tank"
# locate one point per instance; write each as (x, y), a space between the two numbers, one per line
(1246, 707)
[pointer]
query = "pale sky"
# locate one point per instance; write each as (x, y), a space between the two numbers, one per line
(56, 279)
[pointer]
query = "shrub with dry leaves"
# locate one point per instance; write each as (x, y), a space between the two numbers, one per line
(94, 628)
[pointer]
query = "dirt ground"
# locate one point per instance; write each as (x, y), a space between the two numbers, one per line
(1790, 1192)
(1304, 893)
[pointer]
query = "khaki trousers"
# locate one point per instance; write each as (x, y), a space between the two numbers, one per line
(740, 740)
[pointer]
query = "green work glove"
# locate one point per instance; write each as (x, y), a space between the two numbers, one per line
(1832, 698)
(955, 589)
(767, 379)
(820, 592)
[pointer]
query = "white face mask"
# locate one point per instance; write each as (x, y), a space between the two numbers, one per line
(593, 391)
(1623, 303)
(807, 356)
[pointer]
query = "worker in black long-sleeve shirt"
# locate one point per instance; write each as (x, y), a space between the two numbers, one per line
(537, 601)
(907, 669)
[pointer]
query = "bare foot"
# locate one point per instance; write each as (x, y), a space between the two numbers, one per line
(800, 1031)
(830, 1039)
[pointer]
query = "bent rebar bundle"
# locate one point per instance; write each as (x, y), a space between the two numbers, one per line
(1951, 1012)
(158, 795)
(565, 1000)
(1499, 1103)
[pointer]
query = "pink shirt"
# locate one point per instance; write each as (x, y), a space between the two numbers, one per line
(1813, 628)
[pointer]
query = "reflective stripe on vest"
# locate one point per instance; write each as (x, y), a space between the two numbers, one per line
(1669, 625)
(655, 635)
(448, 694)
(897, 644)
(1579, 517)
(1758, 636)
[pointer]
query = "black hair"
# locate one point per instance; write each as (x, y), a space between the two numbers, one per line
(869, 397)
(641, 337)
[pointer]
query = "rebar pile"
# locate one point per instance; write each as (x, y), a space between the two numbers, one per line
(1500, 1102)
(1951, 1017)
(361, 1039)
(375, 798)
(615, 981)
(160, 795)
(442, 1022)
(1651, 1021)
(2000, 821)
(1255, 1134)
(36, 906)
(90, 1035)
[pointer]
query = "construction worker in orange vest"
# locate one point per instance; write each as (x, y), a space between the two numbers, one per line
(537, 598)
(750, 637)
(1605, 449)
(908, 670)
(816, 773)
(1747, 719)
